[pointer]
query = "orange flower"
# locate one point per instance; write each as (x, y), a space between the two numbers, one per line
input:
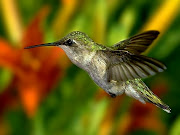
(35, 71)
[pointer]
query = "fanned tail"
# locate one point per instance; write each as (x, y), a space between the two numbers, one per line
(138, 90)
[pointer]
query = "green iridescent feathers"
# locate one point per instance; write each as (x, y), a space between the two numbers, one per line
(146, 94)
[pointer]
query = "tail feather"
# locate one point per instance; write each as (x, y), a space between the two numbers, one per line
(138, 89)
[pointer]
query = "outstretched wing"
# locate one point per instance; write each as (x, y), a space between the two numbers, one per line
(138, 43)
(124, 66)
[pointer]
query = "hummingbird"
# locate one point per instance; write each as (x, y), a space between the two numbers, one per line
(116, 69)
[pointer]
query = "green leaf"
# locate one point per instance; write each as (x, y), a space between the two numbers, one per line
(175, 129)
(5, 78)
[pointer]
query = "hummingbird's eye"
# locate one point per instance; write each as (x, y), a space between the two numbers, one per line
(69, 42)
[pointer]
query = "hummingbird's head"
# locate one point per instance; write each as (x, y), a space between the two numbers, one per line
(76, 44)
(74, 41)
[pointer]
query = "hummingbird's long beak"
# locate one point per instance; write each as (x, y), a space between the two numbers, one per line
(41, 45)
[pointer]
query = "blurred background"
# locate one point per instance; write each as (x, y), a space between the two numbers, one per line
(43, 93)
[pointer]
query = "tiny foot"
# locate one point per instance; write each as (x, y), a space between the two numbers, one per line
(112, 94)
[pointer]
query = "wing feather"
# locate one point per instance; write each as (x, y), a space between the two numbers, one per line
(138, 43)
(126, 63)
(127, 66)
(131, 70)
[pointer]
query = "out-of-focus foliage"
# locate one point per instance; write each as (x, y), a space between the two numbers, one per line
(42, 93)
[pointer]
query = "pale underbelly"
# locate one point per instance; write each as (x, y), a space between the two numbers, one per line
(98, 73)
